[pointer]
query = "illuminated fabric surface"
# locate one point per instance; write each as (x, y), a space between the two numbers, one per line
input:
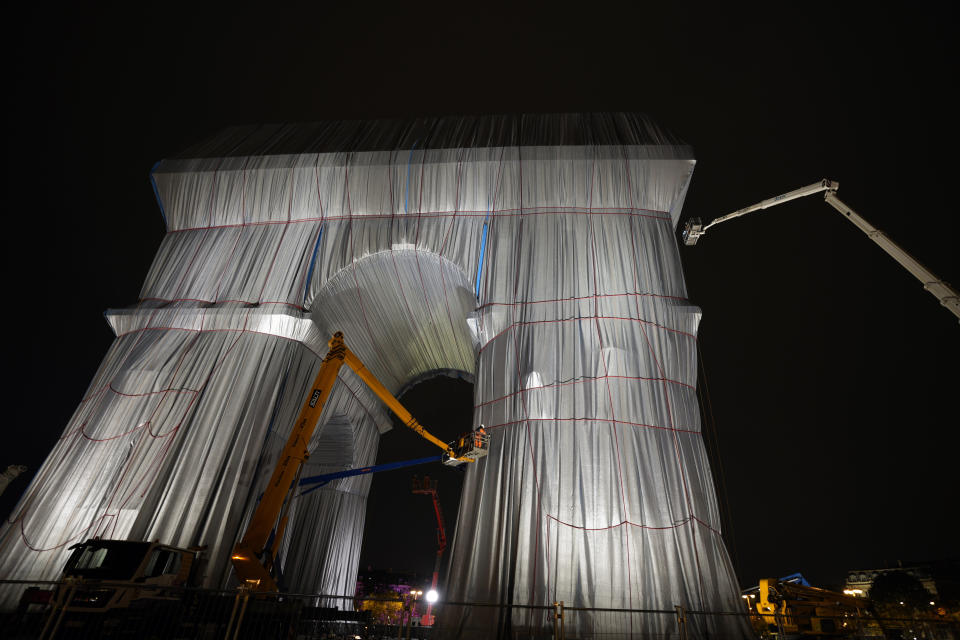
(536, 254)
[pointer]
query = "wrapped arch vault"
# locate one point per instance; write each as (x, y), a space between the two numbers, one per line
(536, 254)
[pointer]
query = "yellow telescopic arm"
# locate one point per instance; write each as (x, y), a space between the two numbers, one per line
(251, 569)
(354, 363)
(250, 558)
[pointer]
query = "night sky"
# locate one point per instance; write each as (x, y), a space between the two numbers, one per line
(832, 375)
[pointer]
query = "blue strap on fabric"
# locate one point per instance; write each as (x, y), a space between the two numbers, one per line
(483, 249)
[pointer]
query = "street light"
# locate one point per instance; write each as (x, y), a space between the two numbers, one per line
(432, 596)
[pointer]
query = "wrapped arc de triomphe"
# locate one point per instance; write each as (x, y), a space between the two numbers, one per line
(536, 254)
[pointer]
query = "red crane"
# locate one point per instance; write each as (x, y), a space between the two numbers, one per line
(428, 487)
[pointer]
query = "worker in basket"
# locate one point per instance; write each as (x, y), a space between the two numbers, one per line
(478, 437)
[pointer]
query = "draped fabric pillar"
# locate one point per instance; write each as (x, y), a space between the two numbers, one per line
(597, 489)
(535, 254)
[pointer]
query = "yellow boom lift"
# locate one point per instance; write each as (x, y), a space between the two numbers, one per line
(254, 555)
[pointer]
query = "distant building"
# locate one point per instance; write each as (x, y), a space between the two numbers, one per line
(382, 587)
(860, 580)
(382, 581)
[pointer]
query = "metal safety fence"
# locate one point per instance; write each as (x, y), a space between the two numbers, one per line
(128, 610)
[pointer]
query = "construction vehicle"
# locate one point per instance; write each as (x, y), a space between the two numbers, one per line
(115, 578)
(254, 556)
(694, 229)
(428, 487)
(96, 563)
(791, 608)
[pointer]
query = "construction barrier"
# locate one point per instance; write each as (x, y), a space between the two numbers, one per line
(73, 610)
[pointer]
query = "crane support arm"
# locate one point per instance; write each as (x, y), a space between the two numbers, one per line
(253, 556)
(810, 189)
(250, 569)
(947, 295)
(398, 409)
(316, 482)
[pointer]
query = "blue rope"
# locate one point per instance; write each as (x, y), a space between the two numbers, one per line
(322, 480)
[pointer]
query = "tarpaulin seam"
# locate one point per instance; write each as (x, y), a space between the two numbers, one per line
(356, 281)
(613, 425)
(163, 454)
(316, 247)
(82, 432)
(676, 444)
(213, 193)
(683, 522)
(313, 261)
(268, 432)
(26, 542)
(579, 380)
(110, 387)
(243, 216)
(196, 252)
(594, 419)
(505, 213)
(406, 194)
(223, 270)
(252, 303)
(526, 411)
(582, 380)
(316, 173)
(145, 423)
(152, 469)
(627, 294)
(429, 308)
(491, 204)
(243, 194)
(698, 520)
(232, 330)
(157, 459)
(173, 376)
(683, 475)
(42, 475)
(122, 362)
(403, 293)
(140, 441)
(393, 255)
(579, 319)
(446, 236)
(283, 235)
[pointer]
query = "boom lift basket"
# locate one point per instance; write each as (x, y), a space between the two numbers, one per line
(468, 448)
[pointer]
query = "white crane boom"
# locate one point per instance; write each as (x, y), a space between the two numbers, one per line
(946, 294)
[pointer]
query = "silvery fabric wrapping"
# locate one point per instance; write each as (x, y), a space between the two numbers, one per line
(536, 254)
